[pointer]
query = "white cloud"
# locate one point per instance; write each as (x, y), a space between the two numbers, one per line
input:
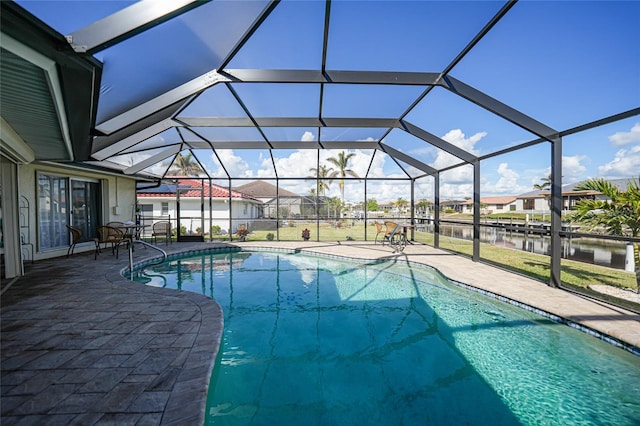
(443, 159)
(236, 166)
(626, 163)
(307, 137)
(572, 168)
(625, 138)
(507, 183)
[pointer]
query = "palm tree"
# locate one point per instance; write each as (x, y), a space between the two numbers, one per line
(322, 173)
(401, 203)
(619, 215)
(342, 163)
(545, 185)
(185, 165)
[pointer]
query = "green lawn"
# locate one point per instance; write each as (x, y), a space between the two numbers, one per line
(574, 274)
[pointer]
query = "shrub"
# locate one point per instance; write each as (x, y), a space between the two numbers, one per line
(270, 236)
(215, 230)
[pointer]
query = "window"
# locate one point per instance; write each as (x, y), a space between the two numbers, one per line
(164, 208)
(512, 207)
(529, 204)
(499, 206)
(245, 209)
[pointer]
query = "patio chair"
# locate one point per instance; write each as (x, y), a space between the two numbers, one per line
(379, 230)
(77, 237)
(114, 236)
(390, 226)
(161, 229)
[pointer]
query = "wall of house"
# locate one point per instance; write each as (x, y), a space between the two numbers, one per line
(243, 212)
(116, 192)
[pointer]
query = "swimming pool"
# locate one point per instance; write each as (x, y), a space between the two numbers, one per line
(317, 340)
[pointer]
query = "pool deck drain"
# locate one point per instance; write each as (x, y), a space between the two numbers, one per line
(82, 345)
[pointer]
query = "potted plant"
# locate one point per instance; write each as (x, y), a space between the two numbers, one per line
(306, 234)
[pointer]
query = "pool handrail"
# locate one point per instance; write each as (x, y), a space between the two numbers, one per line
(164, 253)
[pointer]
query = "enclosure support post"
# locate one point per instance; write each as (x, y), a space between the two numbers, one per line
(436, 213)
(556, 211)
(476, 210)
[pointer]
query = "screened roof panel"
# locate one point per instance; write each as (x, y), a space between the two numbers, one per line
(168, 137)
(489, 70)
(279, 99)
(236, 134)
(411, 145)
(402, 35)
(217, 101)
(563, 63)
(291, 134)
(184, 48)
(358, 134)
(66, 17)
(291, 38)
(374, 101)
(474, 128)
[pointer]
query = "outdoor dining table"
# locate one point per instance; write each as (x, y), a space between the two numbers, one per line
(132, 232)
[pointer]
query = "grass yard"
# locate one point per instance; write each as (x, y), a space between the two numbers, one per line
(574, 274)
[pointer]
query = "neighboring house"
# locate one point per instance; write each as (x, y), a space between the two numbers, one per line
(452, 205)
(489, 205)
(539, 200)
(275, 198)
(192, 196)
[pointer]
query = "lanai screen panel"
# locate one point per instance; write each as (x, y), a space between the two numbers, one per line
(184, 48)
(472, 128)
(585, 57)
(291, 38)
(402, 36)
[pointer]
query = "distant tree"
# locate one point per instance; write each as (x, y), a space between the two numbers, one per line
(342, 164)
(372, 205)
(401, 203)
(185, 165)
(423, 206)
(619, 215)
(545, 185)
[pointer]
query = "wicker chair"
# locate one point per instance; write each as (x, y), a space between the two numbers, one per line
(161, 229)
(114, 236)
(390, 226)
(77, 237)
(380, 230)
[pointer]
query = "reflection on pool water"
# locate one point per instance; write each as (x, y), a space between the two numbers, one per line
(312, 340)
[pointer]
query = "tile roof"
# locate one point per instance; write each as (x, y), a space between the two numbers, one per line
(216, 191)
(260, 188)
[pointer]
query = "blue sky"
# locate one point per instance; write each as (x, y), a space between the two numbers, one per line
(563, 63)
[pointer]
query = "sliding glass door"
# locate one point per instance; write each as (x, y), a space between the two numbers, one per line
(53, 211)
(64, 201)
(85, 207)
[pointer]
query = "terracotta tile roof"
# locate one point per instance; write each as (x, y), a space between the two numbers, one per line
(216, 191)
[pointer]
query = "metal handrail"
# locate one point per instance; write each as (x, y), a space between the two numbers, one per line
(164, 253)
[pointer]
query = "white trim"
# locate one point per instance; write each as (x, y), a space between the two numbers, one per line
(13, 146)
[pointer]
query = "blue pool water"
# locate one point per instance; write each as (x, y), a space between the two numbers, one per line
(318, 341)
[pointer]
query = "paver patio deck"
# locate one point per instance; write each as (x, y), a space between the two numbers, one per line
(83, 345)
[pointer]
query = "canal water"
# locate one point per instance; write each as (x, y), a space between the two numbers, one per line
(590, 250)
